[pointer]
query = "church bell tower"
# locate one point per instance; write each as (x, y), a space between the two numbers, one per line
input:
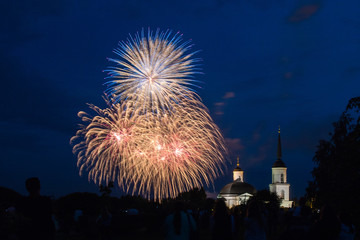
(238, 173)
(279, 184)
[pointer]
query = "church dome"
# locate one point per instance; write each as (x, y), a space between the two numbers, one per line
(279, 164)
(238, 188)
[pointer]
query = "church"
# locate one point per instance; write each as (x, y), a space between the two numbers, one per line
(239, 192)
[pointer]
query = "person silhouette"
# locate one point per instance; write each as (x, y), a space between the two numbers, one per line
(179, 224)
(255, 224)
(36, 211)
(221, 222)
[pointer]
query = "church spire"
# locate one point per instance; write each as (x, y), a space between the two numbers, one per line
(279, 162)
(279, 146)
(237, 163)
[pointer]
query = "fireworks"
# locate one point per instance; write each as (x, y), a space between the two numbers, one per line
(155, 138)
(153, 72)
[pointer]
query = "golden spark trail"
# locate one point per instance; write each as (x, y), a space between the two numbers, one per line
(155, 138)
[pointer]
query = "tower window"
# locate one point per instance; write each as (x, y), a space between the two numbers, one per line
(282, 178)
(282, 194)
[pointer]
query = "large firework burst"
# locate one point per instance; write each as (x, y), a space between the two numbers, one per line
(153, 72)
(155, 137)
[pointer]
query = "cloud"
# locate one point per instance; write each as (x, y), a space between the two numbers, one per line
(252, 160)
(288, 75)
(219, 108)
(235, 146)
(212, 195)
(256, 136)
(219, 104)
(303, 13)
(229, 95)
(261, 153)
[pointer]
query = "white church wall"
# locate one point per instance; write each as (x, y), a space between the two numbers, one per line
(278, 188)
(285, 188)
(237, 174)
(232, 200)
(286, 204)
(276, 175)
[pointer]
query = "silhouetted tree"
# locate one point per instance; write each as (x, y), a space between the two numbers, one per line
(337, 171)
(195, 198)
(88, 203)
(9, 197)
(106, 190)
(268, 198)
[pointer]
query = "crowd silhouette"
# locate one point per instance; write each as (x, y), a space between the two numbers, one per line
(31, 216)
(89, 216)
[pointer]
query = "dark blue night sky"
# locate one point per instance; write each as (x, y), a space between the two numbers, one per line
(265, 63)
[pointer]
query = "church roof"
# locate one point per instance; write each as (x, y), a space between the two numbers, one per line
(278, 164)
(238, 169)
(238, 188)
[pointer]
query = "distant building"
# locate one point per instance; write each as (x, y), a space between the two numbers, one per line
(279, 184)
(237, 192)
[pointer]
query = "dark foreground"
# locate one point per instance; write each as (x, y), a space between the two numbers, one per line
(89, 216)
